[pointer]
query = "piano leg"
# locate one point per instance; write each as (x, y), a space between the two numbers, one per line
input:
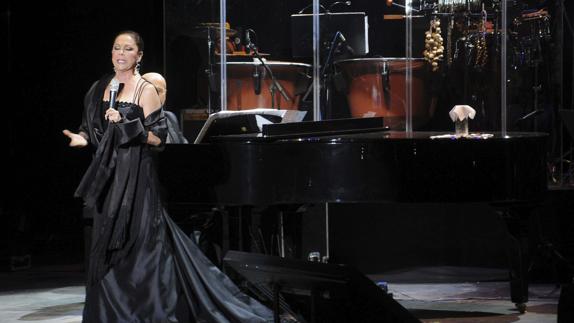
(236, 225)
(517, 224)
(266, 230)
(286, 231)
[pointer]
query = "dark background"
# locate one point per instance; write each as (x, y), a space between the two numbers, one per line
(54, 51)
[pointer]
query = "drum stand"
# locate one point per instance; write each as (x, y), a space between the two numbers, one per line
(536, 87)
(534, 59)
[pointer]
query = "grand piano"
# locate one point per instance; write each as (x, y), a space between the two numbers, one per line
(365, 164)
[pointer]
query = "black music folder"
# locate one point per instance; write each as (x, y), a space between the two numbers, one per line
(250, 121)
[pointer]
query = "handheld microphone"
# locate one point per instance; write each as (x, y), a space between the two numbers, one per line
(114, 89)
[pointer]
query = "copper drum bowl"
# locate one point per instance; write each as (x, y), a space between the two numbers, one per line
(242, 84)
(376, 87)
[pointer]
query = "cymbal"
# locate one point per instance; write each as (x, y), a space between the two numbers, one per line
(203, 31)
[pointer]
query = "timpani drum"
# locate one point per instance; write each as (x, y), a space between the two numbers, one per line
(376, 88)
(248, 84)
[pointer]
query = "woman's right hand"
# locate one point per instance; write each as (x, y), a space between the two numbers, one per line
(76, 140)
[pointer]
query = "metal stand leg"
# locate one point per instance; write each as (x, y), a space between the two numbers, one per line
(225, 231)
(327, 243)
(281, 236)
(276, 308)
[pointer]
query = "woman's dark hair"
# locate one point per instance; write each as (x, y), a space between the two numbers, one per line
(138, 39)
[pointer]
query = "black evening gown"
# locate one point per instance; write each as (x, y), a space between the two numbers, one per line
(143, 268)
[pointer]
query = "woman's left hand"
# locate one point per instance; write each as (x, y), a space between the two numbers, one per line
(113, 115)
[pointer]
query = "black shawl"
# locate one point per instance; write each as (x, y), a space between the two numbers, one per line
(110, 183)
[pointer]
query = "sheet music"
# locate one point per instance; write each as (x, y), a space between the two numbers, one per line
(293, 116)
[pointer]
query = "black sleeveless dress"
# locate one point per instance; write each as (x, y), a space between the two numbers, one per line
(143, 268)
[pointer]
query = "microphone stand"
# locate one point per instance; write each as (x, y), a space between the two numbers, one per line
(334, 44)
(274, 83)
(326, 73)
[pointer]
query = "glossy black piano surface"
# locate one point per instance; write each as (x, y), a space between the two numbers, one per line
(366, 167)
